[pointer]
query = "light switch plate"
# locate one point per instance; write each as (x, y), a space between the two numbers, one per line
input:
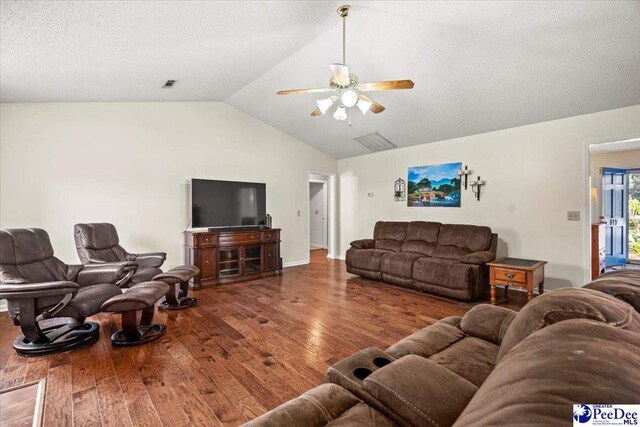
(573, 216)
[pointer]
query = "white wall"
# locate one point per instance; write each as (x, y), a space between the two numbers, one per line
(317, 218)
(628, 159)
(534, 175)
(130, 164)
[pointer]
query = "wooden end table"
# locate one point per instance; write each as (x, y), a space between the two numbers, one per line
(524, 273)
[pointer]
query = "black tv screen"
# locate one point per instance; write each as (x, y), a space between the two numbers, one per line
(227, 203)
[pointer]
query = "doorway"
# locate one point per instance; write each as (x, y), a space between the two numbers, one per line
(615, 205)
(318, 230)
(322, 199)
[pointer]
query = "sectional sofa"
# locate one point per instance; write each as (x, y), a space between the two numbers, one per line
(492, 367)
(443, 259)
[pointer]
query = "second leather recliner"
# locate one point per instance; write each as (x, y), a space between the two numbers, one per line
(98, 243)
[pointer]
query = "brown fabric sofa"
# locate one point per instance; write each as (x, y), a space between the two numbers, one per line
(492, 367)
(443, 259)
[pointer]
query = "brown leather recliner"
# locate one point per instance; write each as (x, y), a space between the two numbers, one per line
(38, 286)
(98, 243)
(443, 259)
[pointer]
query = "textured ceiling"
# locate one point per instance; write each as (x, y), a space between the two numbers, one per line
(477, 66)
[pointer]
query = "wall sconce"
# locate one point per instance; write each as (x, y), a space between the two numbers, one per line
(464, 172)
(476, 186)
(400, 187)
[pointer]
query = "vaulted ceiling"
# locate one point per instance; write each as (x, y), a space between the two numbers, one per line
(477, 66)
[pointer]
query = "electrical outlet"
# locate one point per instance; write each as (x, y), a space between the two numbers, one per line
(370, 194)
(573, 216)
(298, 213)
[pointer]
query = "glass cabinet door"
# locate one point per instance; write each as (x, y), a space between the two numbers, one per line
(252, 259)
(229, 262)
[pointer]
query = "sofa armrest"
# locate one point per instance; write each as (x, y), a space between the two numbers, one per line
(420, 391)
(488, 322)
(151, 259)
(315, 408)
(114, 272)
(37, 290)
(478, 258)
(363, 244)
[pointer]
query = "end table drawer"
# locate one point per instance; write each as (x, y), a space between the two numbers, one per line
(507, 275)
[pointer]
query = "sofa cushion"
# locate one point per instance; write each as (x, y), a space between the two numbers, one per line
(388, 245)
(489, 322)
(622, 284)
(537, 382)
(390, 230)
(453, 253)
(472, 238)
(472, 358)
(421, 392)
(421, 237)
(444, 272)
(398, 264)
(365, 259)
(430, 340)
(564, 304)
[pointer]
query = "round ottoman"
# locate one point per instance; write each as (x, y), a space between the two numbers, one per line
(178, 279)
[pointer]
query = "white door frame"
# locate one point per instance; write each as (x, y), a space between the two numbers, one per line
(586, 230)
(332, 200)
(325, 212)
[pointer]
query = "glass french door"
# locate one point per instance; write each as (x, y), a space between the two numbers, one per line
(614, 203)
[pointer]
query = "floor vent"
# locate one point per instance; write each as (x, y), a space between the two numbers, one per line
(375, 142)
(168, 84)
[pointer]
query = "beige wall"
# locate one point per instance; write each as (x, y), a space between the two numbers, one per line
(534, 175)
(130, 164)
(629, 159)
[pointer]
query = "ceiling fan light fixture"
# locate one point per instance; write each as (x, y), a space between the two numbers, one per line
(349, 98)
(364, 106)
(325, 104)
(341, 113)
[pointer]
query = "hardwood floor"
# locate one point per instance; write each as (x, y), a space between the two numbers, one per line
(244, 349)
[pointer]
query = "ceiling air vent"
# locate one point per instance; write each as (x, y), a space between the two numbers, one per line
(169, 84)
(375, 142)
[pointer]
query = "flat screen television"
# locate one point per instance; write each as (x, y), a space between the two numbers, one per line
(227, 203)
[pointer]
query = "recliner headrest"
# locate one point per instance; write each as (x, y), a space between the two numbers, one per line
(24, 246)
(95, 236)
(564, 304)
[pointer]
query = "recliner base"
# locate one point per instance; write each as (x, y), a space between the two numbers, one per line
(61, 338)
(142, 335)
(180, 304)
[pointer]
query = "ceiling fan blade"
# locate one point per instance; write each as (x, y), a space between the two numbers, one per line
(375, 106)
(340, 73)
(316, 112)
(298, 91)
(388, 85)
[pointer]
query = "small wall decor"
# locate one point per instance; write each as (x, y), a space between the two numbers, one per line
(464, 173)
(400, 190)
(434, 185)
(476, 187)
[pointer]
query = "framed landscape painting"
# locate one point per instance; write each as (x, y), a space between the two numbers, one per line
(434, 185)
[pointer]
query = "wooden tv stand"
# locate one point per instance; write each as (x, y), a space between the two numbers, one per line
(229, 256)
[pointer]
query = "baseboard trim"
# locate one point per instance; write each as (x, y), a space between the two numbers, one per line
(295, 263)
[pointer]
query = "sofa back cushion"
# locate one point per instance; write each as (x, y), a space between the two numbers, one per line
(622, 284)
(389, 235)
(565, 304)
(537, 382)
(458, 240)
(421, 237)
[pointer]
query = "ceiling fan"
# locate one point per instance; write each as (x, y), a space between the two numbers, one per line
(345, 87)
